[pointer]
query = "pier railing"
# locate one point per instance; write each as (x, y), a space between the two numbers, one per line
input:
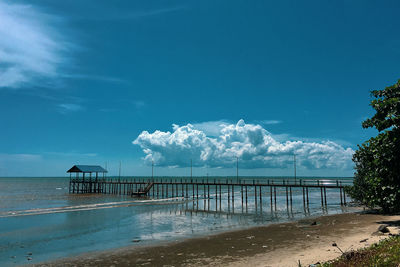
(330, 182)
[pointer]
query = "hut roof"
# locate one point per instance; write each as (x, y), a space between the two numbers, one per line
(87, 168)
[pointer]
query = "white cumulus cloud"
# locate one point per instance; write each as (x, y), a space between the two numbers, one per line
(251, 143)
(30, 49)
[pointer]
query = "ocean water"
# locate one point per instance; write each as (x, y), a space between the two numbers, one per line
(40, 220)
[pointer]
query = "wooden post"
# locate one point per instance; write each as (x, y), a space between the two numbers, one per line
(287, 198)
(275, 196)
(216, 197)
(204, 195)
(233, 198)
(246, 195)
(241, 193)
(344, 197)
(220, 197)
(270, 194)
(255, 196)
(69, 188)
(229, 196)
(325, 196)
(322, 198)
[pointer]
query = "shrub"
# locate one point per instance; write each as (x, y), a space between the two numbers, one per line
(377, 161)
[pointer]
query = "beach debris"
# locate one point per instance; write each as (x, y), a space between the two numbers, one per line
(335, 245)
(265, 246)
(349, 255)
(250, 237)
(136, 240)
(179, 254)
(314, 223)
(383, 228)
(364, 240)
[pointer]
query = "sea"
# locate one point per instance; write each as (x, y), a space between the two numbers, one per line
(41, 221)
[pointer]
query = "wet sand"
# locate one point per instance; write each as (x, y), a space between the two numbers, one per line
(308, 240)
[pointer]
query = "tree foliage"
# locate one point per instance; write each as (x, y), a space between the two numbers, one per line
(377, 161)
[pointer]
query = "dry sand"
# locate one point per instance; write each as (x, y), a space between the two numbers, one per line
(274, 245)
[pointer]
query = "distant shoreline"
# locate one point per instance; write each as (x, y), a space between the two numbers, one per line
(308, 240)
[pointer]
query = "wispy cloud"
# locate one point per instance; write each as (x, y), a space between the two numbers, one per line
(139, 104)
(19, 157)
(72, 154)
(270, 122)
(99, 78)
(33, 53)
(149, 13)
(68, 107)
(30, 47)
(123, 15)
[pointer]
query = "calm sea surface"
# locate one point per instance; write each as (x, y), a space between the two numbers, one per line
(40, 221)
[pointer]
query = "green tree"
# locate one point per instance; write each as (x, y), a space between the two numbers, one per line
(377, 161)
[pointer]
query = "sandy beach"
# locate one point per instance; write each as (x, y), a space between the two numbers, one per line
(308, 240)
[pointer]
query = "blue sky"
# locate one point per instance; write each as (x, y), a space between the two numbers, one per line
(81, 80)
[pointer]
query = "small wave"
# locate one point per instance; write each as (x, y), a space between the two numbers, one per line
(104, 205)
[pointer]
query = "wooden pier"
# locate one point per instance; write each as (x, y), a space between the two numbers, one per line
(195, 189)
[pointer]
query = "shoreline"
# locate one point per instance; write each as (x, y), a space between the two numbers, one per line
(282, 244)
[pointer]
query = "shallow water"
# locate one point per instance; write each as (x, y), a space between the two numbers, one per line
(39, 217)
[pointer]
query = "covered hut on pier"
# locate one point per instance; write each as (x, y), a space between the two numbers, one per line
(87, 169)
